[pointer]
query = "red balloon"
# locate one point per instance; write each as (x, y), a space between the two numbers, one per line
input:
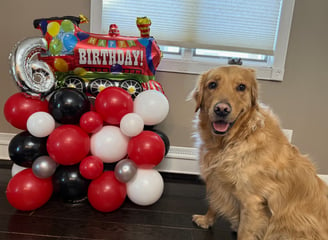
(19, 107)
(91, 122)
(106, 193)
(146, 149)
(27, 192)
(113, 103)
(91, 167)
(68, 144)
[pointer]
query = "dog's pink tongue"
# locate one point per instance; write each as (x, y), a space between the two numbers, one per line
(221, 126)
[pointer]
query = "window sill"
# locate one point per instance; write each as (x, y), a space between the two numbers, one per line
(263, 71)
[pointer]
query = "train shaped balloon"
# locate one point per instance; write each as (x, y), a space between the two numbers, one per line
(66, 56)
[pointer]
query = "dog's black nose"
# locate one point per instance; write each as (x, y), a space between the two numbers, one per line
(222, 109)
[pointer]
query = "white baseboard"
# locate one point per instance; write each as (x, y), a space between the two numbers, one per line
(4, 142)
(182, 160)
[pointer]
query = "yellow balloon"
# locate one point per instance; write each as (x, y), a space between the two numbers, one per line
(53, 28)
(61, 65)
(80, 71)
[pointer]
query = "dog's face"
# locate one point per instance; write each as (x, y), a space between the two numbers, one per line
(224, 94)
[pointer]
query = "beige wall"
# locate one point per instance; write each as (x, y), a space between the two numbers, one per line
(300, 100)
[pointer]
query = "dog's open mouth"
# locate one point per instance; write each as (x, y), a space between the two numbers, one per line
(221, 127)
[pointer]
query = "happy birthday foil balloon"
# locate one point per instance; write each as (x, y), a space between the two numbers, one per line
(66, 56)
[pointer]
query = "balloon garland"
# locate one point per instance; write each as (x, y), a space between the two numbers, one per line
(69, 136)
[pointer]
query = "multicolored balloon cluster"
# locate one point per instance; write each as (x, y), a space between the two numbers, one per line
(63, 36)
(67, 143)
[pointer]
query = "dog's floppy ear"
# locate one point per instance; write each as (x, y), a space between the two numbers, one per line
(197, 93)
(254, 94)
(254, 90)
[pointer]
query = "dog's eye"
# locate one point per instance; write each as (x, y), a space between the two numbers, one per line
(212, 85)
(241, 87)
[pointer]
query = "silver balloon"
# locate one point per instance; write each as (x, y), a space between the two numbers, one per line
(125, 170)
(31, 75)
(44, 167)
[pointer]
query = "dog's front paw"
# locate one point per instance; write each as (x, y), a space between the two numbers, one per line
(202, 221)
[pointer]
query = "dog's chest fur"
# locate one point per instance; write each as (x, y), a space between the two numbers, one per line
(229, 165)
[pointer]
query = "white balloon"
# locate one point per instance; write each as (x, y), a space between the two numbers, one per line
(152, 106)
(146, 187)
(40, 124)
(109, 144)
(131, 124)
(16, 169)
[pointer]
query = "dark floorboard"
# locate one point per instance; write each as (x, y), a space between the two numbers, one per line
(169, 218)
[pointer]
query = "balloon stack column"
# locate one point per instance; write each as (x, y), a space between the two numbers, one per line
(65, 145)
(67, 142)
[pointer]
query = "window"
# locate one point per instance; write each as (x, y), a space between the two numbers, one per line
(196, 35)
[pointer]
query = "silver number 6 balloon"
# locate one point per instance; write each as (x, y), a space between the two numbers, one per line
(31, 75)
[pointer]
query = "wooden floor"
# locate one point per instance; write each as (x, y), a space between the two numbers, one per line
(169, 218)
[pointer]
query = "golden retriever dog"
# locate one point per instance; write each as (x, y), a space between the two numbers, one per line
(254, 177)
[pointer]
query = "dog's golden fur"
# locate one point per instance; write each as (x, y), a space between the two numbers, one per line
(254, 177)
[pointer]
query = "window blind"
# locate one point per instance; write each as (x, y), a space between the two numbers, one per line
(234, 25)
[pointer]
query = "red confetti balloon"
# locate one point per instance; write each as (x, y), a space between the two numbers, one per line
(146, 149)
(19, 107)
(91, 167)
(106, 193)
(27, 192)
(91, 122)
(68, 144)
(113, 103)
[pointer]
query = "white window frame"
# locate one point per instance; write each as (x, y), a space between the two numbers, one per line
(187, 63)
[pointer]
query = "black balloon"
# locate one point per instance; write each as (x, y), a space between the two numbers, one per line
(67, 105)
(24, 148)
(149, 127)
(164, 138)
(69, 185)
